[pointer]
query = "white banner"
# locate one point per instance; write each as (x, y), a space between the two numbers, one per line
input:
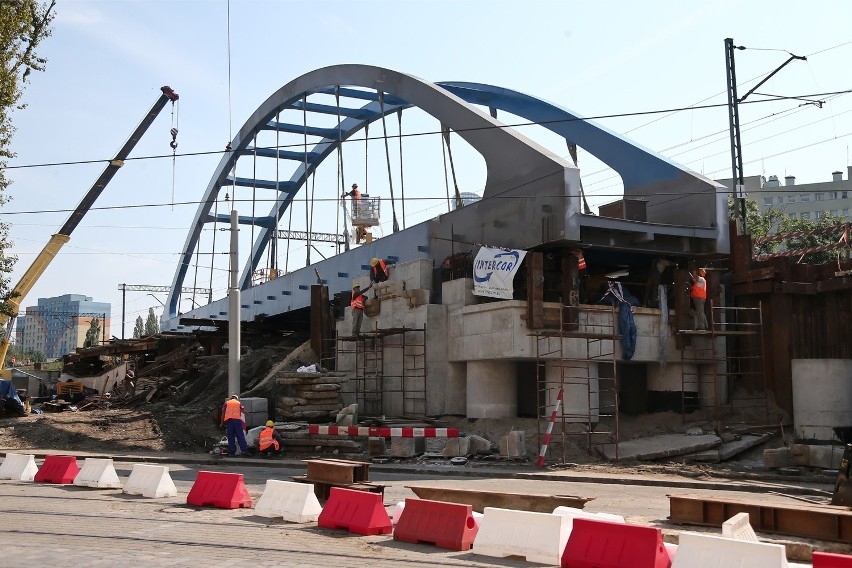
(493, 271)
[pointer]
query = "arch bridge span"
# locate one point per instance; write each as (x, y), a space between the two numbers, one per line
(531, 195)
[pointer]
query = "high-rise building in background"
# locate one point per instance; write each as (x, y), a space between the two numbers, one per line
(57, 326)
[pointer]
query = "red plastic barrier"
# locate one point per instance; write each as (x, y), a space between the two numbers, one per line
(359, 512)
(216, 489)
(57, 469)
(601, 544)
(827, 560)
(446, 525)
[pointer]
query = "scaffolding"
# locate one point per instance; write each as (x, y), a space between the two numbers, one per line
(574, 398)
(722, 368)
(389, 370)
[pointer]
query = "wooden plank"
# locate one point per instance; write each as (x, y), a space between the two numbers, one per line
(535, 290)
(823, 522)
(798, 288)
(535, 502)
(321, 470)
(753, 275)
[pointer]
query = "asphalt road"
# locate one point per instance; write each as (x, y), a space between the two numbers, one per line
(43, 524)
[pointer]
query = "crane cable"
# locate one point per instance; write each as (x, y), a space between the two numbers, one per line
(173, 144)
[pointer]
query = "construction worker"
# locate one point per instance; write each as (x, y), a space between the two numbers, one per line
(698, 293)
(356, 198)
(357, 305)
(232, 418)
(380, 271)
(270, 442)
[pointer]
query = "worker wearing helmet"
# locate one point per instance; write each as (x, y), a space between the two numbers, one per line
(232, 418)
(357, 305)
(380, 269)
(698, 293)
(356, 198)
(270, 442)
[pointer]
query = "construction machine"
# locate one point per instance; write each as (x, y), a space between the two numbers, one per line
(45, 257)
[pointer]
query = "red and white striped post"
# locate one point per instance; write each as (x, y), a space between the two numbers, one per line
(540, 461)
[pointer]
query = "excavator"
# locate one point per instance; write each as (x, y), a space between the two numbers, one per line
(50, 250)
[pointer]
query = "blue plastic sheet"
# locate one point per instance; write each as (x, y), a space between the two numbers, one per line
(9, 398)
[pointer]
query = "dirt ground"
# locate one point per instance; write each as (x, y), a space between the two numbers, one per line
(155, 429)
(183, 422)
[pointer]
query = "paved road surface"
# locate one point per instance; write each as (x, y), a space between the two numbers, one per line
(50, 525)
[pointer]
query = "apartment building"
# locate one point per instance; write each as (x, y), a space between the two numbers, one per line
(58, 325)
(802, 201)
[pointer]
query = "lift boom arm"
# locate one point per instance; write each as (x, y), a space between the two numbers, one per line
(50, 250)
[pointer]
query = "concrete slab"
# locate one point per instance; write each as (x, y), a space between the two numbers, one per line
(729, 449)
(662, 446)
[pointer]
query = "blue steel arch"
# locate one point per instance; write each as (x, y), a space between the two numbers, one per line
(477, 128)
(643, 172)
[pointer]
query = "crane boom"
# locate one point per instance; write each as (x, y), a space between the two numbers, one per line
(50, 250)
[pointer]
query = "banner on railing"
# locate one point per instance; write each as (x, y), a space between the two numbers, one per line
(493, 271)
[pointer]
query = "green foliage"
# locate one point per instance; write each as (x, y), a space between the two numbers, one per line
(152, 325)
(774, 222)
(23, 26)
(139, 329)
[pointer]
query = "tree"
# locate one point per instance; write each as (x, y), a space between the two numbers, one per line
(152, 326)
(93, 334)
(775, 222)
(23, 26)
(139, 330)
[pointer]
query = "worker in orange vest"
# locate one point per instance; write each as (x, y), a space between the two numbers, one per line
(232, 418)
(698, 293)
(270, 442)
(357, 305)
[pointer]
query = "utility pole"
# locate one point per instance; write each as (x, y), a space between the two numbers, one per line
(234, 312)
(737, 177)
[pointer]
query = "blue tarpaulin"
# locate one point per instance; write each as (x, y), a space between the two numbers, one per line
(9, 397)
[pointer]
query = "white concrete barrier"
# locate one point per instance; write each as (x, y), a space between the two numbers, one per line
(573, 513)
(538, 537)
(97, 472)
(738, 527)
(294, 502)
(152, 481)
(710, 551)
(397, 512)
(20, 467)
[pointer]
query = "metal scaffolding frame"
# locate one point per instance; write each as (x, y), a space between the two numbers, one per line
(718, 364)
(389, 363)
(591, 343)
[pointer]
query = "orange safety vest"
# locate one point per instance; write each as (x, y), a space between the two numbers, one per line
(233, 410)
(699, 289)
(384, 268)
(581, 262)
(266, 439)
(357, 302)
(356, 195)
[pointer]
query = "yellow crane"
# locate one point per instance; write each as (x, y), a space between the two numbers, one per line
(53, 246)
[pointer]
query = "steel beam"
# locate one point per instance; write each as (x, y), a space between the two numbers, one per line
(825, 522)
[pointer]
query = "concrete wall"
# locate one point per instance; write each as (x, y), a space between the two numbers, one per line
(491, 389)
(822, 397)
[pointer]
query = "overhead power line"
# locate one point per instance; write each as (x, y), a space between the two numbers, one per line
(434, 132)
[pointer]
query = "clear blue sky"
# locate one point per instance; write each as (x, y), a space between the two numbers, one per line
(107, 60)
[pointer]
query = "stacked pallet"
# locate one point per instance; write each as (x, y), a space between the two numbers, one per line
(309, 397)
